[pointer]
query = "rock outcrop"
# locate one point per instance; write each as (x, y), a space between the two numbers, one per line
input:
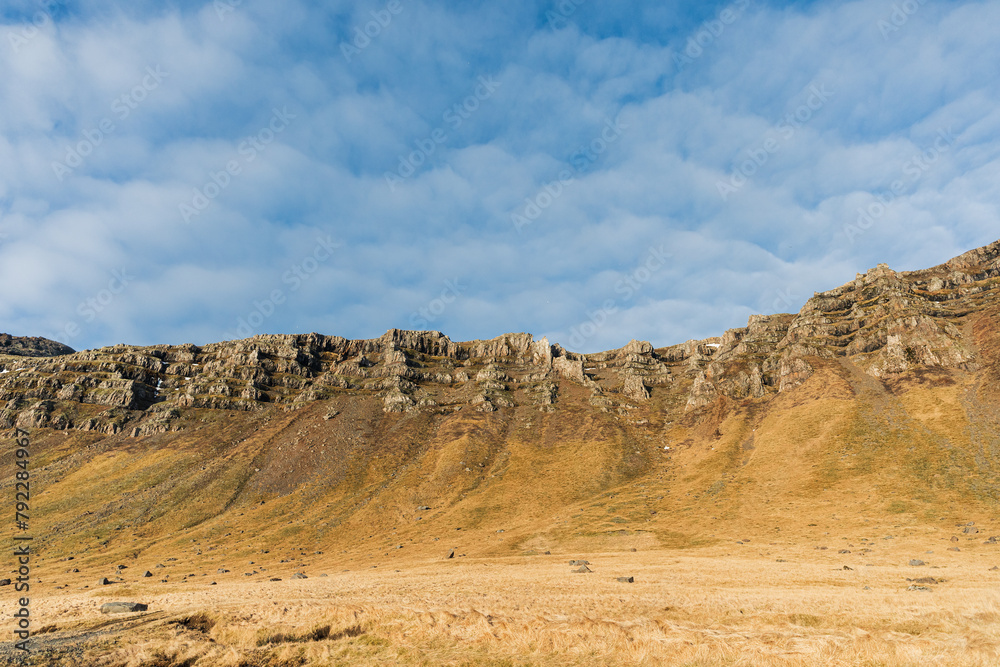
(885, 322)
(32, 346)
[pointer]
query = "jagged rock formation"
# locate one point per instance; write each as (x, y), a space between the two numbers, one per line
(33, 346)
(884, 322)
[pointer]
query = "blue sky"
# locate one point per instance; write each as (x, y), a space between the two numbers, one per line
(593, 172)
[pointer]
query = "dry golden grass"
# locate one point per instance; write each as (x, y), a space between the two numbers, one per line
(683, 609)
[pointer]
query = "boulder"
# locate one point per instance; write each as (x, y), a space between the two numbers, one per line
(122, 607)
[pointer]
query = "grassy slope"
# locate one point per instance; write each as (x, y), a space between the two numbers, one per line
(842, 450)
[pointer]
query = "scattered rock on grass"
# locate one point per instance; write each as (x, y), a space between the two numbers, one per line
(122, 607)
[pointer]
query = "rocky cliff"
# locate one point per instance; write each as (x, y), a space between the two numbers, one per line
(884, 322)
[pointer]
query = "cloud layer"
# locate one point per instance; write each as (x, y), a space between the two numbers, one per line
(591, 173)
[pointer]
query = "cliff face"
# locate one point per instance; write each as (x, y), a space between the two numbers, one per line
(884, 322)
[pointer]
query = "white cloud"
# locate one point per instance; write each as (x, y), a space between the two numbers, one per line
(766, 247)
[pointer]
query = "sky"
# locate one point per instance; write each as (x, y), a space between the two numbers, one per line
(593, 172)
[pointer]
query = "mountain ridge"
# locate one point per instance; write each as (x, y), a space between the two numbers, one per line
(873, 408)
(885, 321)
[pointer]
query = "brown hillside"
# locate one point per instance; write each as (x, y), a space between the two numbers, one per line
(871, 412)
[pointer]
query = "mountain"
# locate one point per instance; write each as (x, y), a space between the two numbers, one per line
(875, 404)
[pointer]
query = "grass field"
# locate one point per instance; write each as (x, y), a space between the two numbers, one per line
(740, 604)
